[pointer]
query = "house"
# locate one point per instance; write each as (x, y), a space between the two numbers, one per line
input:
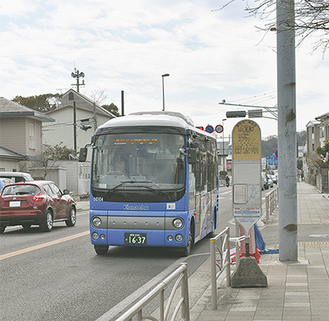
(323, 128)
(9, 160)
(312, 136)
(20, 135)
(317, 132)
(76, 120)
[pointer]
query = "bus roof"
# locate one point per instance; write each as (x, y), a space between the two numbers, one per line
(152, 118)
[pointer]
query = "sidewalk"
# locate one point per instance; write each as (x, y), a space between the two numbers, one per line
(295, 291)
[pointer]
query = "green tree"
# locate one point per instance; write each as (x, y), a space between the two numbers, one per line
(112, 108)
(269, 145)
(323, 152)
(41, 103)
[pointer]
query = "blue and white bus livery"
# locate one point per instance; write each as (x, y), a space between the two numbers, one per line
(154, 182)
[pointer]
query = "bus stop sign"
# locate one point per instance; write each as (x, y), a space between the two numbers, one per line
(246, 172)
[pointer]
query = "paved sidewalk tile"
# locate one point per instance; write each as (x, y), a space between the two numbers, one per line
(295, 291)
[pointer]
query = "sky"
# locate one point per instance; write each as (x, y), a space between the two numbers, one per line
(211, 55)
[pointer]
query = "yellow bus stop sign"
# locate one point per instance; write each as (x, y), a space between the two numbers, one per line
(246, 140)
(246, 172)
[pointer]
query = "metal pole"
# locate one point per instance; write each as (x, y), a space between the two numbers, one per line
(163, 97)
(287, 130)
(223, 152)
(74, 127)
(78, 84)
(213, 273)
(122, 103)
(228, 260)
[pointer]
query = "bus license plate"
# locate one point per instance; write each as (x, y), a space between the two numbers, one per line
(135, 238)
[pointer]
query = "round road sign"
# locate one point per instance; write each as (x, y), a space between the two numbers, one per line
(219, 129)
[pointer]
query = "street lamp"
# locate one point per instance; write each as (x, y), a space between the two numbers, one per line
(163, 96)
(223, 142)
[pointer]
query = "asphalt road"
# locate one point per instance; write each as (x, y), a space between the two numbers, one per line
(58, 276)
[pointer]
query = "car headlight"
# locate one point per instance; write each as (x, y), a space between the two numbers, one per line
(178, 223)
(96, 221)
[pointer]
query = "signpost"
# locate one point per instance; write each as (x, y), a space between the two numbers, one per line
(247, 196)
(246, 165)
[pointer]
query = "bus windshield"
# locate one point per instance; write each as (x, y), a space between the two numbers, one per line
(138, 167)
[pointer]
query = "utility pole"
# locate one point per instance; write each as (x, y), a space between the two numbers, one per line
(287, 130)
(76, 74)
(122, 103)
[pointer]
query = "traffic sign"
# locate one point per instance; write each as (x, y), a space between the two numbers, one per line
(276, 153)
(219, 129)
(209, 129)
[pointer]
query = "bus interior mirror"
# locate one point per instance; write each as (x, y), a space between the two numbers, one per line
(191, 156)
(83, 154)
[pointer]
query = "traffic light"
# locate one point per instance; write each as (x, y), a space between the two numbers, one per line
(255, 113)
(236, 114)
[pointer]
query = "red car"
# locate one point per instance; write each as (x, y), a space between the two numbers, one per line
(36, 203)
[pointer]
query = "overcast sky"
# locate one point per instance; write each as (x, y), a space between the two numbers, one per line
(128, 44)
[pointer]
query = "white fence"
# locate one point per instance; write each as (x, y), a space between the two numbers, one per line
(222, 261)
(180, 275)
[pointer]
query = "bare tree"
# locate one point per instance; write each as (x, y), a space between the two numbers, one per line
(98, 96)
(50, 157)
(311, 18)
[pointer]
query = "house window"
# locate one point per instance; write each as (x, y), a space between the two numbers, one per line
(32, 136)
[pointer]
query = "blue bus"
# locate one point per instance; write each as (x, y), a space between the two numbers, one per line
(154, 182)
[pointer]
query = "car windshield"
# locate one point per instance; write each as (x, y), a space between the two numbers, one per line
(20, 190)
(138, 163)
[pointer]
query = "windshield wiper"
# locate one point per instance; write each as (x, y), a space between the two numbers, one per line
(132, 182)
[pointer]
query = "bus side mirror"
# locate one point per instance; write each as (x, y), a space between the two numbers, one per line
(191, 156)
(83, 154)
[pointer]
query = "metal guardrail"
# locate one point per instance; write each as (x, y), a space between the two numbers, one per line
(223, 249)
(180, 275)
(271, 203)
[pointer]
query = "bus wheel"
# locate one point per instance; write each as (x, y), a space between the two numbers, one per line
(101, 249)
(188, 248)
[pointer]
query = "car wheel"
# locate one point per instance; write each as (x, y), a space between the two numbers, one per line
(101, 249)
(187, 250)
(72, 217)
(26, 225)
(2, 229)
(47, 224)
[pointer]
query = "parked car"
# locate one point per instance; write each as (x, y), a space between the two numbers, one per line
(274, 176)
(269, 181)
(36, 203)
(4, 182)
(264, 181)
(17, 176)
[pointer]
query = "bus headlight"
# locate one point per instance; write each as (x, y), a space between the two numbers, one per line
(179, 237)
(96, 221)
(178, 223)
